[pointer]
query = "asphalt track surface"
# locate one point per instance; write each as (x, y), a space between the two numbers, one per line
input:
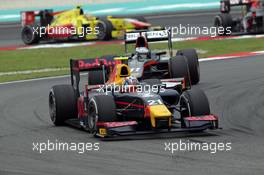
(235, 90)
(10, 33)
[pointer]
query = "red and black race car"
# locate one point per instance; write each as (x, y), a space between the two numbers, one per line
(118, 107)
(251, 19)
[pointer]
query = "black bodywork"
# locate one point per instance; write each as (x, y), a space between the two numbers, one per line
(254, 17)
(155, 64)
(158, 64)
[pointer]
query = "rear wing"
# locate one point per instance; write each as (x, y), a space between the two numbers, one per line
(41, 17)
(88, 64)
(77, 66)
(151, 36)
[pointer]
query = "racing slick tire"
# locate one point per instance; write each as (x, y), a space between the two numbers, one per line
(96, 77)
(101, 108)
(178, 67)
(105, 28)
(29, 36)
(62, 104)
(193, 64)
(195, 103)
(224, 20)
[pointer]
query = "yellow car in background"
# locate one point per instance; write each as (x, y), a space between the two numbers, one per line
(73, 24)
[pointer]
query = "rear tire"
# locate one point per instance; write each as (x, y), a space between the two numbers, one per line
(101, 108)
(224, 20)
(96, 77)
(193, 64)
(62, 104)
(178, 67)
(105, 29)
(29, 36)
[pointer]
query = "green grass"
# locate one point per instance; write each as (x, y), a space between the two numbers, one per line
(8, 78)
(19, 60)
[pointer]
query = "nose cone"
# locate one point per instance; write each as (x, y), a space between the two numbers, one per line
(159, 112)
(140, 24)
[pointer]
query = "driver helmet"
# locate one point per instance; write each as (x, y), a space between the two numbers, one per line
(142, 50)
(130, 84)
(131, 81)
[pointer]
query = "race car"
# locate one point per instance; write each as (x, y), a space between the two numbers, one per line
(251, 19)
(119, 108)
(146, 63)
(75, 25)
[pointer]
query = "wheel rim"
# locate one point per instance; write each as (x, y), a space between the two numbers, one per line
(52, 107)
(92, 116)
(27, 35)
(102, 31)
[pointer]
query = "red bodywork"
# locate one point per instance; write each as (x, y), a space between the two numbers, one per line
(203, 118)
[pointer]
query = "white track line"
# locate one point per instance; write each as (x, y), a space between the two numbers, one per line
(216, 58)
(35, 79)
(61, 45)
(24, 72)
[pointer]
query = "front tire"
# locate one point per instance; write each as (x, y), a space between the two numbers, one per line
(62, 104)
(194, 102)
(101, 108)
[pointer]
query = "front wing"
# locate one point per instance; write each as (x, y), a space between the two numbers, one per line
(192, 124)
